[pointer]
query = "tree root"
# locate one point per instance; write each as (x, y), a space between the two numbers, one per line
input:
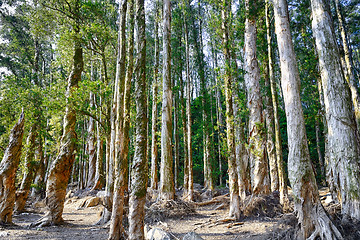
(45, 221)
(324, 227)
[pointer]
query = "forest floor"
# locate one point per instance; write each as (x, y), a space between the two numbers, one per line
(209, 221)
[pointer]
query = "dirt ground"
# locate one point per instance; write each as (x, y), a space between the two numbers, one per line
(79, 224)
(205, 221)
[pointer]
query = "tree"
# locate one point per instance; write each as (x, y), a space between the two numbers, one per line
(8, 167)
(139, 165)
(259, 168)
(61, 167)
(167, 190)
(233, 181)
(312, 217)
(343, 145)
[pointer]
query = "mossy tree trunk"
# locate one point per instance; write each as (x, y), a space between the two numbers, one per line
(232, 168)
(8, 167)
(139, 167)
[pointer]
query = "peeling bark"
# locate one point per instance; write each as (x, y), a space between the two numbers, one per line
(312, 218)
(343, 137)
(8, 167)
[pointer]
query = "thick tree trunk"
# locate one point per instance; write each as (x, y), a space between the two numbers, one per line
(343, 136)
(312, 218)
(139, 169)
(154, 147)
(61, 167)
(28, 177)
(259, 168)
(8, 167)
(233, 181)
(167, 190)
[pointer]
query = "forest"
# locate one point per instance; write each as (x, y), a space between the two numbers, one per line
(182, 119)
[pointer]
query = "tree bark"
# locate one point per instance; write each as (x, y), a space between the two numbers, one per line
(343, 143)
(154, 147)
(233, 181)
(8, 167)
(274, 97)
(349, 70)
(189, 192)
(28, 176)
(312, 218)
(139, 167)
(167, 190)
(259, 167)
(61, 167)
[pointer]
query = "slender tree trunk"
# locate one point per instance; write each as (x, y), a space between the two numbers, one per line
(122, 136)
(233, 181)
(312, 217)
(317, 134)
(139, 169)
(99, 178)
(8, 167)
(274, 100)
(176, 140)
(349, 69)
(269, 114)
(167, 190)
(190, 184)
(154, 147)
(259, 167)
(91, 141)
(343, 136)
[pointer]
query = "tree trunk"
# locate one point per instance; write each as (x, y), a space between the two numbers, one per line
(274, 97)
(233, 181)
(312, 218)
(61, 167)
(116, 227)
(139, 169)
(349, 70)
(91, 141)
(269, 114)
(343, 136)
(28, 177)
(8, 167)
(167, 190)
(154, 147)
(259, 167)
(99, 178)
(190, 184)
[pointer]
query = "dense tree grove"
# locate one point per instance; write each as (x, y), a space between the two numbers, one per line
(140, 98)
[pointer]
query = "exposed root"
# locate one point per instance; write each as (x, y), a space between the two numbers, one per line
(45, 221)
(262, 206)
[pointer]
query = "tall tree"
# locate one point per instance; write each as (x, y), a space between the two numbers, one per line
(139, 165)
(167, 190)
(61, 167)
(233, 181)
(343, 144)
(154, 148)
(312, 217)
